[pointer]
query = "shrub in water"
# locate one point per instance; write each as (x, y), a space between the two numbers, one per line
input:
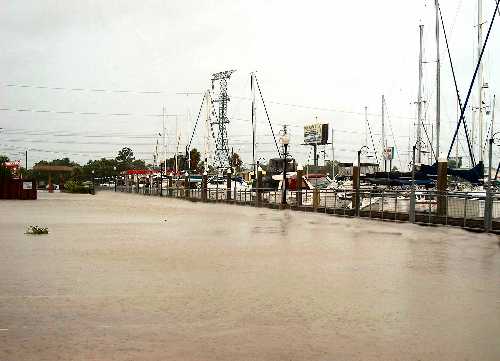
(37, 230)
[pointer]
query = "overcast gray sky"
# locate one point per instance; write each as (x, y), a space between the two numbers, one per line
(325, 59)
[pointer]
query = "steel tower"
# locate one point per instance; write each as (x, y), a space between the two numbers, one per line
(221, 143)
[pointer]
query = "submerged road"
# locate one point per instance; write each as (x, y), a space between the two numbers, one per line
(127, 277)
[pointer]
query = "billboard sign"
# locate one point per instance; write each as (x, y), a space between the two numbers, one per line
(389, 153)
(316, 134)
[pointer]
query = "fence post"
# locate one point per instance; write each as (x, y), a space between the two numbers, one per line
(441, 187)
(355, 187)
(413, 202)
(186, 185)
(204, 184)
(300, 174)
(228, 185)
(170, 185)
(488, 208)
(315, 199)
(259, 186)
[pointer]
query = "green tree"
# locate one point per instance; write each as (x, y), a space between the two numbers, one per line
(236, 161)
(3, 159)
(195, 156)
(125, 158)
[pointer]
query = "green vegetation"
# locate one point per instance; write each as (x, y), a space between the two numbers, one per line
(37, 230)
(76, 187)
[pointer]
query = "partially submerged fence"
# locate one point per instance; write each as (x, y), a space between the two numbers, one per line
(468, 210)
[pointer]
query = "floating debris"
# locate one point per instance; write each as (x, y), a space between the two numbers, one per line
(37, 230)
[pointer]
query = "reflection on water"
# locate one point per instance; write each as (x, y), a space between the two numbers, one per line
(130, 277)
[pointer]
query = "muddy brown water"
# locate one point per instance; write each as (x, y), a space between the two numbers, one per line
(127, 277)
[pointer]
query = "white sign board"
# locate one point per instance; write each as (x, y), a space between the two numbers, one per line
(27, 185)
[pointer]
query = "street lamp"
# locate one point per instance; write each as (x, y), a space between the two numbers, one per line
(411, 214)
(284, 140)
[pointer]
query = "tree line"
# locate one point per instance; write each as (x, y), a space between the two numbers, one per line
(125, 160)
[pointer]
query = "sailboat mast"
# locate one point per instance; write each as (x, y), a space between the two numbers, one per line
(164, 142)
(480, 79)
(383, 134)
(438, 82)
(207, 130)
(419, 101)
(366, 126)
(254, 125)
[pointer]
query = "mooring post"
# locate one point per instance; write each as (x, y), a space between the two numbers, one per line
(186, 185)
(170, 185)
(315, 199)
(442, 185)
(259, 186)
(488, 201)
(411, 211)
(355, 188)
(300, 174)
(204, 184)
(228, 185)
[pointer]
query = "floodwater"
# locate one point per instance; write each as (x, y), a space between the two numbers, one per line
(128, 277)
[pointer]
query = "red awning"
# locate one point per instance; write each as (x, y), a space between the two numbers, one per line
(140, 171)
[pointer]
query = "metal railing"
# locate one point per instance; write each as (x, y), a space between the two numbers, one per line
(461, 209)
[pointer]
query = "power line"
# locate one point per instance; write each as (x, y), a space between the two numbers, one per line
(65, 112)
(98, 90)
(101, 90)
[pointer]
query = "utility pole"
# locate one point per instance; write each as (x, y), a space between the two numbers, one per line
(480, 79)
(419, 100)
(26, 159)
(438, 82)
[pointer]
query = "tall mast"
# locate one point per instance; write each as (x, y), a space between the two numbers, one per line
(333, 157)
(480, 79)
(383, 133)
(438, 82)
(177, 139)
(254, 125)
(419, 101)
(492, 116)
(366, 126)
(164, 142)
(207, 129)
